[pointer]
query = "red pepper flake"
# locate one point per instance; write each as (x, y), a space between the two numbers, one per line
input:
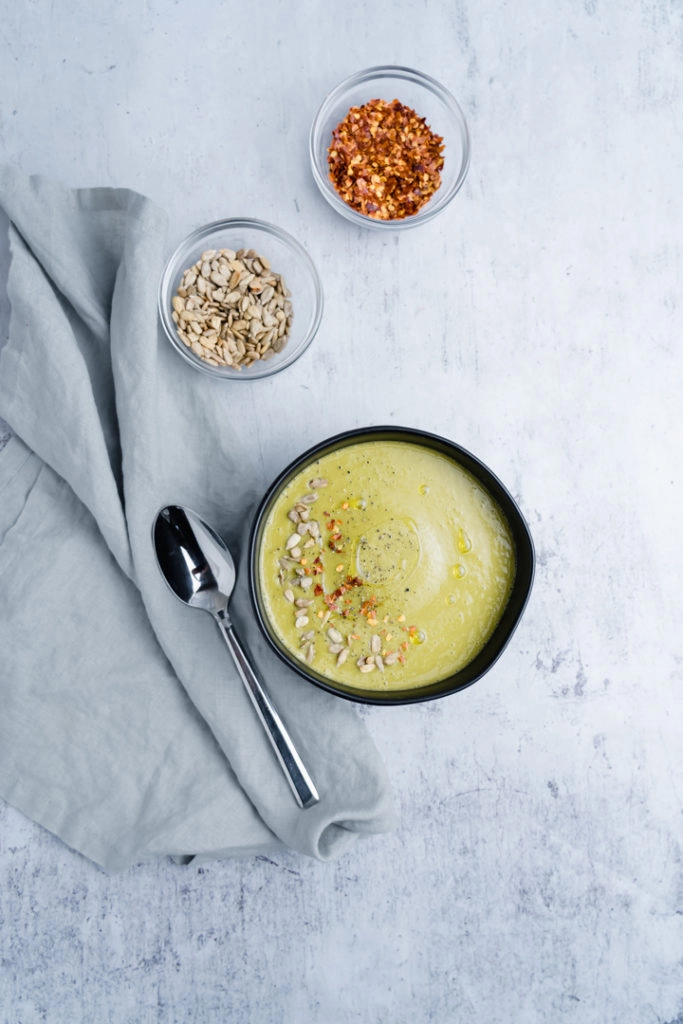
(367, 607)
(385, 161)
(348, 584)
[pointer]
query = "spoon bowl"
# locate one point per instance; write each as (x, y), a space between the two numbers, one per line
(199, 569)
(194, 560)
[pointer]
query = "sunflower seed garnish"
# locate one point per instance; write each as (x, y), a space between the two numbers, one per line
(225, 290)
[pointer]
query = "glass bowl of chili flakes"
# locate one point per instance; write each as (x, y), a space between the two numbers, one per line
(389, 148)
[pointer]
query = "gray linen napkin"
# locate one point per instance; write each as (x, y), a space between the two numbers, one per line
(123, 726)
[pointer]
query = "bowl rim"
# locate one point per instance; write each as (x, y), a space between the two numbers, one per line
(439, 201)
(510, 617)
(164, 296)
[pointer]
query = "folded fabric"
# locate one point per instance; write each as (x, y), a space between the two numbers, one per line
(124, 728)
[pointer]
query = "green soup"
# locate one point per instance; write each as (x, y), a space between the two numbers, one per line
(385, 565)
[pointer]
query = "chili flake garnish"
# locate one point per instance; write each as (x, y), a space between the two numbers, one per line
(343, 607)
(385, 161)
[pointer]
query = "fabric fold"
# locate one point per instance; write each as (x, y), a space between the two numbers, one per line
(125, 728)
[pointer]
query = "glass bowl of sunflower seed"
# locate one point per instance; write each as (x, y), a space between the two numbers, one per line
(240, 299)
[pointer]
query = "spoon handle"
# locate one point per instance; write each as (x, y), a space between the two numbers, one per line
(300, 781)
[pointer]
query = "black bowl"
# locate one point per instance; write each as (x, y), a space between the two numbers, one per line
(524, 556)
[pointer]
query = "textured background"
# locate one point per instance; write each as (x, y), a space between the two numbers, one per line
(536, 874)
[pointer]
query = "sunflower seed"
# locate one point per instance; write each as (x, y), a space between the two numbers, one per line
(223, 290)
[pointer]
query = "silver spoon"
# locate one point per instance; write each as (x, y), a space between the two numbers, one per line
(200, 571)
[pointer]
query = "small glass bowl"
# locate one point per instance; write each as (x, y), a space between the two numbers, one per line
(286, 257)
(428, 99)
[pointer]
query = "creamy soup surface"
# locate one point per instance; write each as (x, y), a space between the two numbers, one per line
(385, 566)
